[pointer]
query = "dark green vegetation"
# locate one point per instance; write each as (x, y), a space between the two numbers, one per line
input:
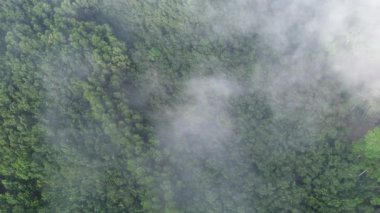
(91, 91)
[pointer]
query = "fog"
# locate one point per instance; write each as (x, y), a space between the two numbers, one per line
(220, 106)
(312, 42)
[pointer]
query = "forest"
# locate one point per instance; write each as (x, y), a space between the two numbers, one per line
(189, 106)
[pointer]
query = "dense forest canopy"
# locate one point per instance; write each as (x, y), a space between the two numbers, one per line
(189, 106)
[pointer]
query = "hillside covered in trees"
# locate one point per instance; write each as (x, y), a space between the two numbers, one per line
(184, 106)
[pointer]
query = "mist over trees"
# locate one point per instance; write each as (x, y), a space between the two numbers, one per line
(189, 106)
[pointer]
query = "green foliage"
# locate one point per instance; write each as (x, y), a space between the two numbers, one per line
(84, 84)
(370, 146)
